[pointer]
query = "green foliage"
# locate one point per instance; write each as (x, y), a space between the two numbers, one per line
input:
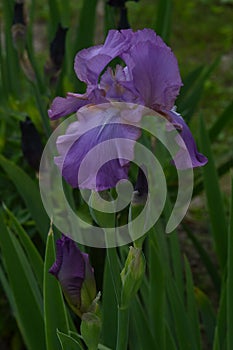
(29, 192)
(67, 342)
(25, 294)
(163, 22)
(192, 91)
(90, 329)
(215, 204)
(169, 310)
(109, 312)
(34, 258)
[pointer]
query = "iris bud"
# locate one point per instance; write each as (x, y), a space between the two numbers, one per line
(123, 21)
(57, 52)
(75, 274)
(132, 275)
(57, 46)
(31, 143)
(117, 3)
(18, 28)
(90, 329)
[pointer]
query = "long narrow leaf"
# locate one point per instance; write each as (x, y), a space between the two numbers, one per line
(54, 18)
(223, 168)
(32, 253)
(4, 83)
(220, 330)
(192, 310)
(156, 297)
(170, 341)
(11, 63)
(67, 342)
(110, 22)
(8, 291)
(85, 34)
(188, 82)
(207, 315)
(163, 22)
(181, 323)
(173, 248)
(141, 335)
(221, 122)
(230, 279)
(188, 105)
(214, 198)
(210, 267)
(29, 193)
(65, 12)
(39, 86)
(24, 289)
(86, 25)
(109, 309)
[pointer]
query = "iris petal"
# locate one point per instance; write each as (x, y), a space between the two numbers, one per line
(69, 268)
(118, 85)
(63, 106)
(89, 63)
(93, 128)
(197, 158)
(155, 74)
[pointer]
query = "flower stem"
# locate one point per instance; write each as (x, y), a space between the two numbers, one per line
(43, 113)
(123, 329)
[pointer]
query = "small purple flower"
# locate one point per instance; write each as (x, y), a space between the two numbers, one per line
(75, 274)
(150, 78)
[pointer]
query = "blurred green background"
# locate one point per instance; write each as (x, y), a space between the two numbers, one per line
(201, 32)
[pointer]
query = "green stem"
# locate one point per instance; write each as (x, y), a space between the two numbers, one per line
(123, 329)
(230, 279)
(111, 256)
(44, 116)
(114, 268)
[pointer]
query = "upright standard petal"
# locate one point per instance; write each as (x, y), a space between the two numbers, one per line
(142, 36)
(145, 35)
(89, 63)
(155, 74)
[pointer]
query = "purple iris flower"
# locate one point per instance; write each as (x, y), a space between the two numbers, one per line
(150, 78)
(75, 274)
